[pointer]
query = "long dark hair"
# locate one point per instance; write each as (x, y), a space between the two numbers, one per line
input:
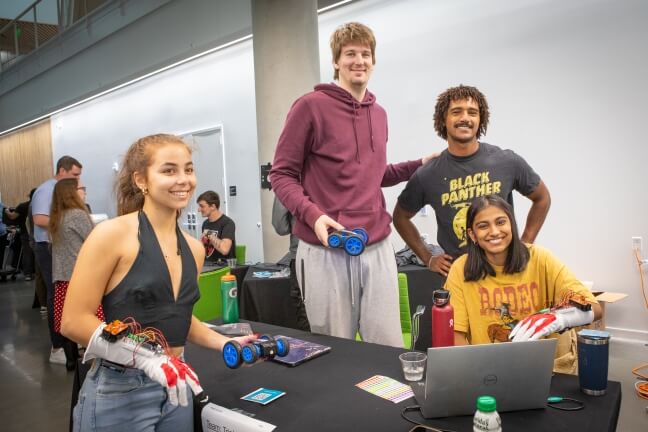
(517, 256)
(64, 198)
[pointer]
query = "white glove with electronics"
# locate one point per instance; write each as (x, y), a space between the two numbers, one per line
(118, 347)
(539, 325)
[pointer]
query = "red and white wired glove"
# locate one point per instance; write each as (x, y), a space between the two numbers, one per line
(171, 372)
(539, 325)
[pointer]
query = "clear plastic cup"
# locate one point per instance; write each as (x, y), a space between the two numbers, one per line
(413, 364)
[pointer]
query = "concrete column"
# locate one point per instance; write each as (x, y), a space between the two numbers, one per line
(286, 65)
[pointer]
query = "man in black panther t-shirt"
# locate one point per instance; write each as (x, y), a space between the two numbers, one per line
(466, 170)
(218, 230)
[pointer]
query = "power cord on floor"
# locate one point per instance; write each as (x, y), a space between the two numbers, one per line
(640, 263)
(419, 426)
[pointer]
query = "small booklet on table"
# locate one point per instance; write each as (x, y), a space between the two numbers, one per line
(300, 351)
(234, 329)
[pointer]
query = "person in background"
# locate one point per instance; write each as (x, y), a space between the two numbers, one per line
(283, 221)
(40, 291)
(506, 289)
(219, 231)
(69, 226)
(328, 171)
(141, 268)
(83, 193)
(66, 167)
(3, 232)
(19, 216)
(467, 169)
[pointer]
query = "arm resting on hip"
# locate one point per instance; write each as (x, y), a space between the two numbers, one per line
(537, 213)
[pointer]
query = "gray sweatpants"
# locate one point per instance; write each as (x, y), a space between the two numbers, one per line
(345, 294)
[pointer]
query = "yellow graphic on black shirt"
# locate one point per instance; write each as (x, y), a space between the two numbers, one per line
(459, 224)
(461, 192)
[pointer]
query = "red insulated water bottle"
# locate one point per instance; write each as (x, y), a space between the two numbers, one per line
(442, 319)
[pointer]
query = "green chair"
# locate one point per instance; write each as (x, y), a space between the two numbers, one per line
(405, 316)
(210, 306)
(240, 254)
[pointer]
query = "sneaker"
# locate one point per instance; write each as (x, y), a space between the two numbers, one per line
(28, 278)
(57, 356)
(43, 310)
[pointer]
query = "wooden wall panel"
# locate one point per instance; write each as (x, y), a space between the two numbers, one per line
(25, 161)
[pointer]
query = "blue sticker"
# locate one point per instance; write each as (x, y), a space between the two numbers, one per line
(263, 396)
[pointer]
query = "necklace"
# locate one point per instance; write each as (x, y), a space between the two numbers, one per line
(166, 256)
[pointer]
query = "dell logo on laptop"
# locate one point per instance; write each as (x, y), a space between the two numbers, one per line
(490, 380)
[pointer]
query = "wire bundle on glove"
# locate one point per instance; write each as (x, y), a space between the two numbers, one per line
(127, 344)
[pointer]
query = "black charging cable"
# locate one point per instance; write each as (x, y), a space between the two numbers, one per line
(420, 425)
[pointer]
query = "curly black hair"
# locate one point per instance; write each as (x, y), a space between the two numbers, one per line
(458, 93)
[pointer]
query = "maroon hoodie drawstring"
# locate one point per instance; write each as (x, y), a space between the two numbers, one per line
(338, 93)
(355, 132)
(373, 149)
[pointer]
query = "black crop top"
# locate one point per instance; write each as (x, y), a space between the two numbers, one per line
(146, 292)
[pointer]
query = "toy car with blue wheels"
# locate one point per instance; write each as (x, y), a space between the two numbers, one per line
(352, 241)
(266, 347)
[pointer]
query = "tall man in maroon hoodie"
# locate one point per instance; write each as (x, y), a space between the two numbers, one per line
(329, 167)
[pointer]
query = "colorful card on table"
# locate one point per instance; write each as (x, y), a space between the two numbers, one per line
(263, 396)
(386, 388)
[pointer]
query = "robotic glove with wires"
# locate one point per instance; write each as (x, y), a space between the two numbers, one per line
(539, 325)
(112, 342)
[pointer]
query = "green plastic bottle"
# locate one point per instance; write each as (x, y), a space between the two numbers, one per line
(229, 298)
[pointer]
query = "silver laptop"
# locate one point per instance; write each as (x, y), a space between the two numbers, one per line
(517, 374)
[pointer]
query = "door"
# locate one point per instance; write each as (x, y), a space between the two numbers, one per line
(209, 166)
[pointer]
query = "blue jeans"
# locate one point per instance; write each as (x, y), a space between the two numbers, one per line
(115, 398)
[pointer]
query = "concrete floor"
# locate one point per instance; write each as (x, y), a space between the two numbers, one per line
(624, 356)
(36, 394)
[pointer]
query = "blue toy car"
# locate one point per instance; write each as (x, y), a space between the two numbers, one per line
(265, 347)
(352, 241)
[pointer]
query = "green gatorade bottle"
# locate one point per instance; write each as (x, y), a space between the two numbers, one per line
(229, 297)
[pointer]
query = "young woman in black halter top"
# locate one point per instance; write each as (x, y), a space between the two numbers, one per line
(140, 266)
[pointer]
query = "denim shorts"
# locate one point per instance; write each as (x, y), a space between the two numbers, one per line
(116, 398)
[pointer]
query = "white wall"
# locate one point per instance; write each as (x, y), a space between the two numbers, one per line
(215, 90)
(566, 85)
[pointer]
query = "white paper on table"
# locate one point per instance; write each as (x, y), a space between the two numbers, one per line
(215, 418)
